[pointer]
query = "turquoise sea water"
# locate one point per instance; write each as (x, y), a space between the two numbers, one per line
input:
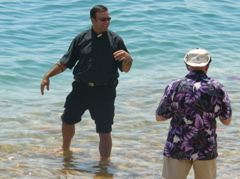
(35, 34)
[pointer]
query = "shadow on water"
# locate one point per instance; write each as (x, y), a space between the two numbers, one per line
(72, 166)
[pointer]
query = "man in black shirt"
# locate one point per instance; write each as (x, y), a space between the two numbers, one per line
(96, 55)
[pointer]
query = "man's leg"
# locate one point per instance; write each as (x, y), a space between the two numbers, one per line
(175, 169)
(105, 145)
(206, 169)
(68, 131)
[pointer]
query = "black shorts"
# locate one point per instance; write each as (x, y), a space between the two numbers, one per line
(98, 100)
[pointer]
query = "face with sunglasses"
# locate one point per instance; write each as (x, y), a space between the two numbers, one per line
(101, 22)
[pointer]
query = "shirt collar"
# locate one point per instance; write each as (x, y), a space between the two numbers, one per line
(94, 34)
(197, 75)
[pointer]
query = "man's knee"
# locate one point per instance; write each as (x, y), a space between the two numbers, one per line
(105, 136)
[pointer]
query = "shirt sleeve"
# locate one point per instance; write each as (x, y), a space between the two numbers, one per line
(226, 110)
(121, 46)
(165, 106)
(70, 58)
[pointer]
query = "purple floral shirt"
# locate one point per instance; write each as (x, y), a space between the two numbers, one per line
(193, 104)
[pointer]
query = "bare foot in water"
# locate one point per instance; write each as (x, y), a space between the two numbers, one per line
(104, 161)
(64, 152)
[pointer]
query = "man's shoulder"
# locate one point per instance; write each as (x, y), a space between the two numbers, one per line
(83, 36)
(215, 82)
(176, 82)
(83, 33)
(114, 34)
(217, 85)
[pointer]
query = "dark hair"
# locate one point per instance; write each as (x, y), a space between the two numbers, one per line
(97, 8)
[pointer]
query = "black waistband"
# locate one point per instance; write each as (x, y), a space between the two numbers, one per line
(91, 83)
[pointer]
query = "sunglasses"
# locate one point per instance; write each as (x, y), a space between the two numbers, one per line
(103, 19)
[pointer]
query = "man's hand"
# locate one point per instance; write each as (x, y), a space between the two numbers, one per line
(56, 69)
(45, 82)
(121, 55)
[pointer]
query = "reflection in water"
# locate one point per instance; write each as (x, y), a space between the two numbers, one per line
(103, 170)
(73, 166)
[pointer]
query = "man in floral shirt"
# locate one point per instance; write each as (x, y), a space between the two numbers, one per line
(193, 104)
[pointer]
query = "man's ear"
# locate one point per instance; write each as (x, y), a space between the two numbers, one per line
(187, 67)
(92, 20)
(206, 68)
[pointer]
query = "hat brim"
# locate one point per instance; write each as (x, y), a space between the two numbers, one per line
(197, 64)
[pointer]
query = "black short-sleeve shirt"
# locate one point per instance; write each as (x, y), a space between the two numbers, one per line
(91, 55)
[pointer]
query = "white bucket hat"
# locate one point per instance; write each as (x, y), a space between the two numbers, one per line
(197, 57)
